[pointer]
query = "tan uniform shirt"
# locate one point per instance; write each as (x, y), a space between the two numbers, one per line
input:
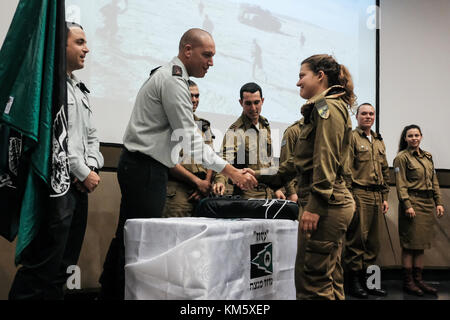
(368, 163)
(247, 146)
(290, 138)
(189, 163)
(415, 171)
(321, 153)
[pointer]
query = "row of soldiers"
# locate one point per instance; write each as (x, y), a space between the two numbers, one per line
(368, 180)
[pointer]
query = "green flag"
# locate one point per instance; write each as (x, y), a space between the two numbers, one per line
(33, 107)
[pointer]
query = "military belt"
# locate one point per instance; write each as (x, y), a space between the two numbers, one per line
(421, 193)
(373, 188)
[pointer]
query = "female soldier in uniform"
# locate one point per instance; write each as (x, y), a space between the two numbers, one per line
(418, 193)
(320, 158)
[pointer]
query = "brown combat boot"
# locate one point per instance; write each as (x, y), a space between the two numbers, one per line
(422, 285)
(408, 283)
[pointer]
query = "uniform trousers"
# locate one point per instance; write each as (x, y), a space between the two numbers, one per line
(56, 246)
(143, 184)
(318, 269)
(362, 239)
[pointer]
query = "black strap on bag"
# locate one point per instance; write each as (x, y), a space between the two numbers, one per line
(234, 207)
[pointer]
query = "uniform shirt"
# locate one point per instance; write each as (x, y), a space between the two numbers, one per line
(367, 161)
(415, 171)
(246, 145)
(321, 153)
(163, 108)
(288, 142)
(190, 164)
(83, 143)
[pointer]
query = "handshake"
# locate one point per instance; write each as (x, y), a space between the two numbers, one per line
(243, 178)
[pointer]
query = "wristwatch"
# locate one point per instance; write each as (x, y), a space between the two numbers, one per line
(93, 169)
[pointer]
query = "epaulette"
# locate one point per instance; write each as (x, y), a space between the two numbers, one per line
(177, 71)
(237, 124)
(379, 137)
(154, 70)
(427, 154)
(264, 121)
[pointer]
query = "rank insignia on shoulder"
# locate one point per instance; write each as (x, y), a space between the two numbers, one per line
(322, 109)
(177, 71)
(397, 170)
(283, 143)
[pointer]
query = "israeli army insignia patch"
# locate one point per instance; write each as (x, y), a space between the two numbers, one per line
(177, 71)
(322, 109)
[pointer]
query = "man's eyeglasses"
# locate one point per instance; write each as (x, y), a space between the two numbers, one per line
(195, 95)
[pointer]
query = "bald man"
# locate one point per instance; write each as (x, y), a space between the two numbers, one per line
(163, 110)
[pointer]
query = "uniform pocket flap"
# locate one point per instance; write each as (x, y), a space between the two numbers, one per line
(320, 246)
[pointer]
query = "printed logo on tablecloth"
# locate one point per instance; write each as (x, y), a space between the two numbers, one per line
(261, 260)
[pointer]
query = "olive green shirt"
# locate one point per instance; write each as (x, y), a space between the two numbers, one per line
(321, 153)
(367, 161)
(288, 142)
(189, 163)
(415, 171)
(247, 146)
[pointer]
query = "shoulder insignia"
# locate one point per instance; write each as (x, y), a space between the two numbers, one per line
(177, 71)
(322, 109)
(428, 155)
(283, 143)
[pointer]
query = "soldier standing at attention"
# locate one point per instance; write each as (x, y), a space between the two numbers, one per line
(247, 144)
(163, 106)
(321, 155)
(369, 182)
(418, 194)
(189, 181)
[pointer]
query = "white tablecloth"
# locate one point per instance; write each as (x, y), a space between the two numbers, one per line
(204, 258)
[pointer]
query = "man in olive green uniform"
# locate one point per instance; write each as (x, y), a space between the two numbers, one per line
(189, 181)
(369, 183)
(247, 143)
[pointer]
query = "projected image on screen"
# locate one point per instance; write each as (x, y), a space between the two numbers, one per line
(258, 41)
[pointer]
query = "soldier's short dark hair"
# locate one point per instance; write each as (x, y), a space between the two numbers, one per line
(364, 104)
(192, 83)
(71, 25)
(250, 87)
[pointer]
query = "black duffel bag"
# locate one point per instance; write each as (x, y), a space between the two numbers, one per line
(235, 207)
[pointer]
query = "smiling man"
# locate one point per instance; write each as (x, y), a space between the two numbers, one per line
(60, 236)
(370, 188)
(163, 109)
(247, 144)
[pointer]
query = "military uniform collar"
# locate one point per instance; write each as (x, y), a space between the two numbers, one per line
(415, 153)
(332, 92)
(248, 124)
(76, 82)
(363, 134)
(177, 61)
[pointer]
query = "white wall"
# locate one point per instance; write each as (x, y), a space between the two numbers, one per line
(415, 73)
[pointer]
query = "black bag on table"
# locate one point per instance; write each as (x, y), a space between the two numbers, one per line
(235, 207)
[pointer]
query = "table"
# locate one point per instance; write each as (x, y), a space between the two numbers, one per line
(206, 258)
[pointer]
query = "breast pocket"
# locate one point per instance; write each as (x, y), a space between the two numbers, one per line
(363, 154)
(305, 142)
(381, 155)
(412, 172)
